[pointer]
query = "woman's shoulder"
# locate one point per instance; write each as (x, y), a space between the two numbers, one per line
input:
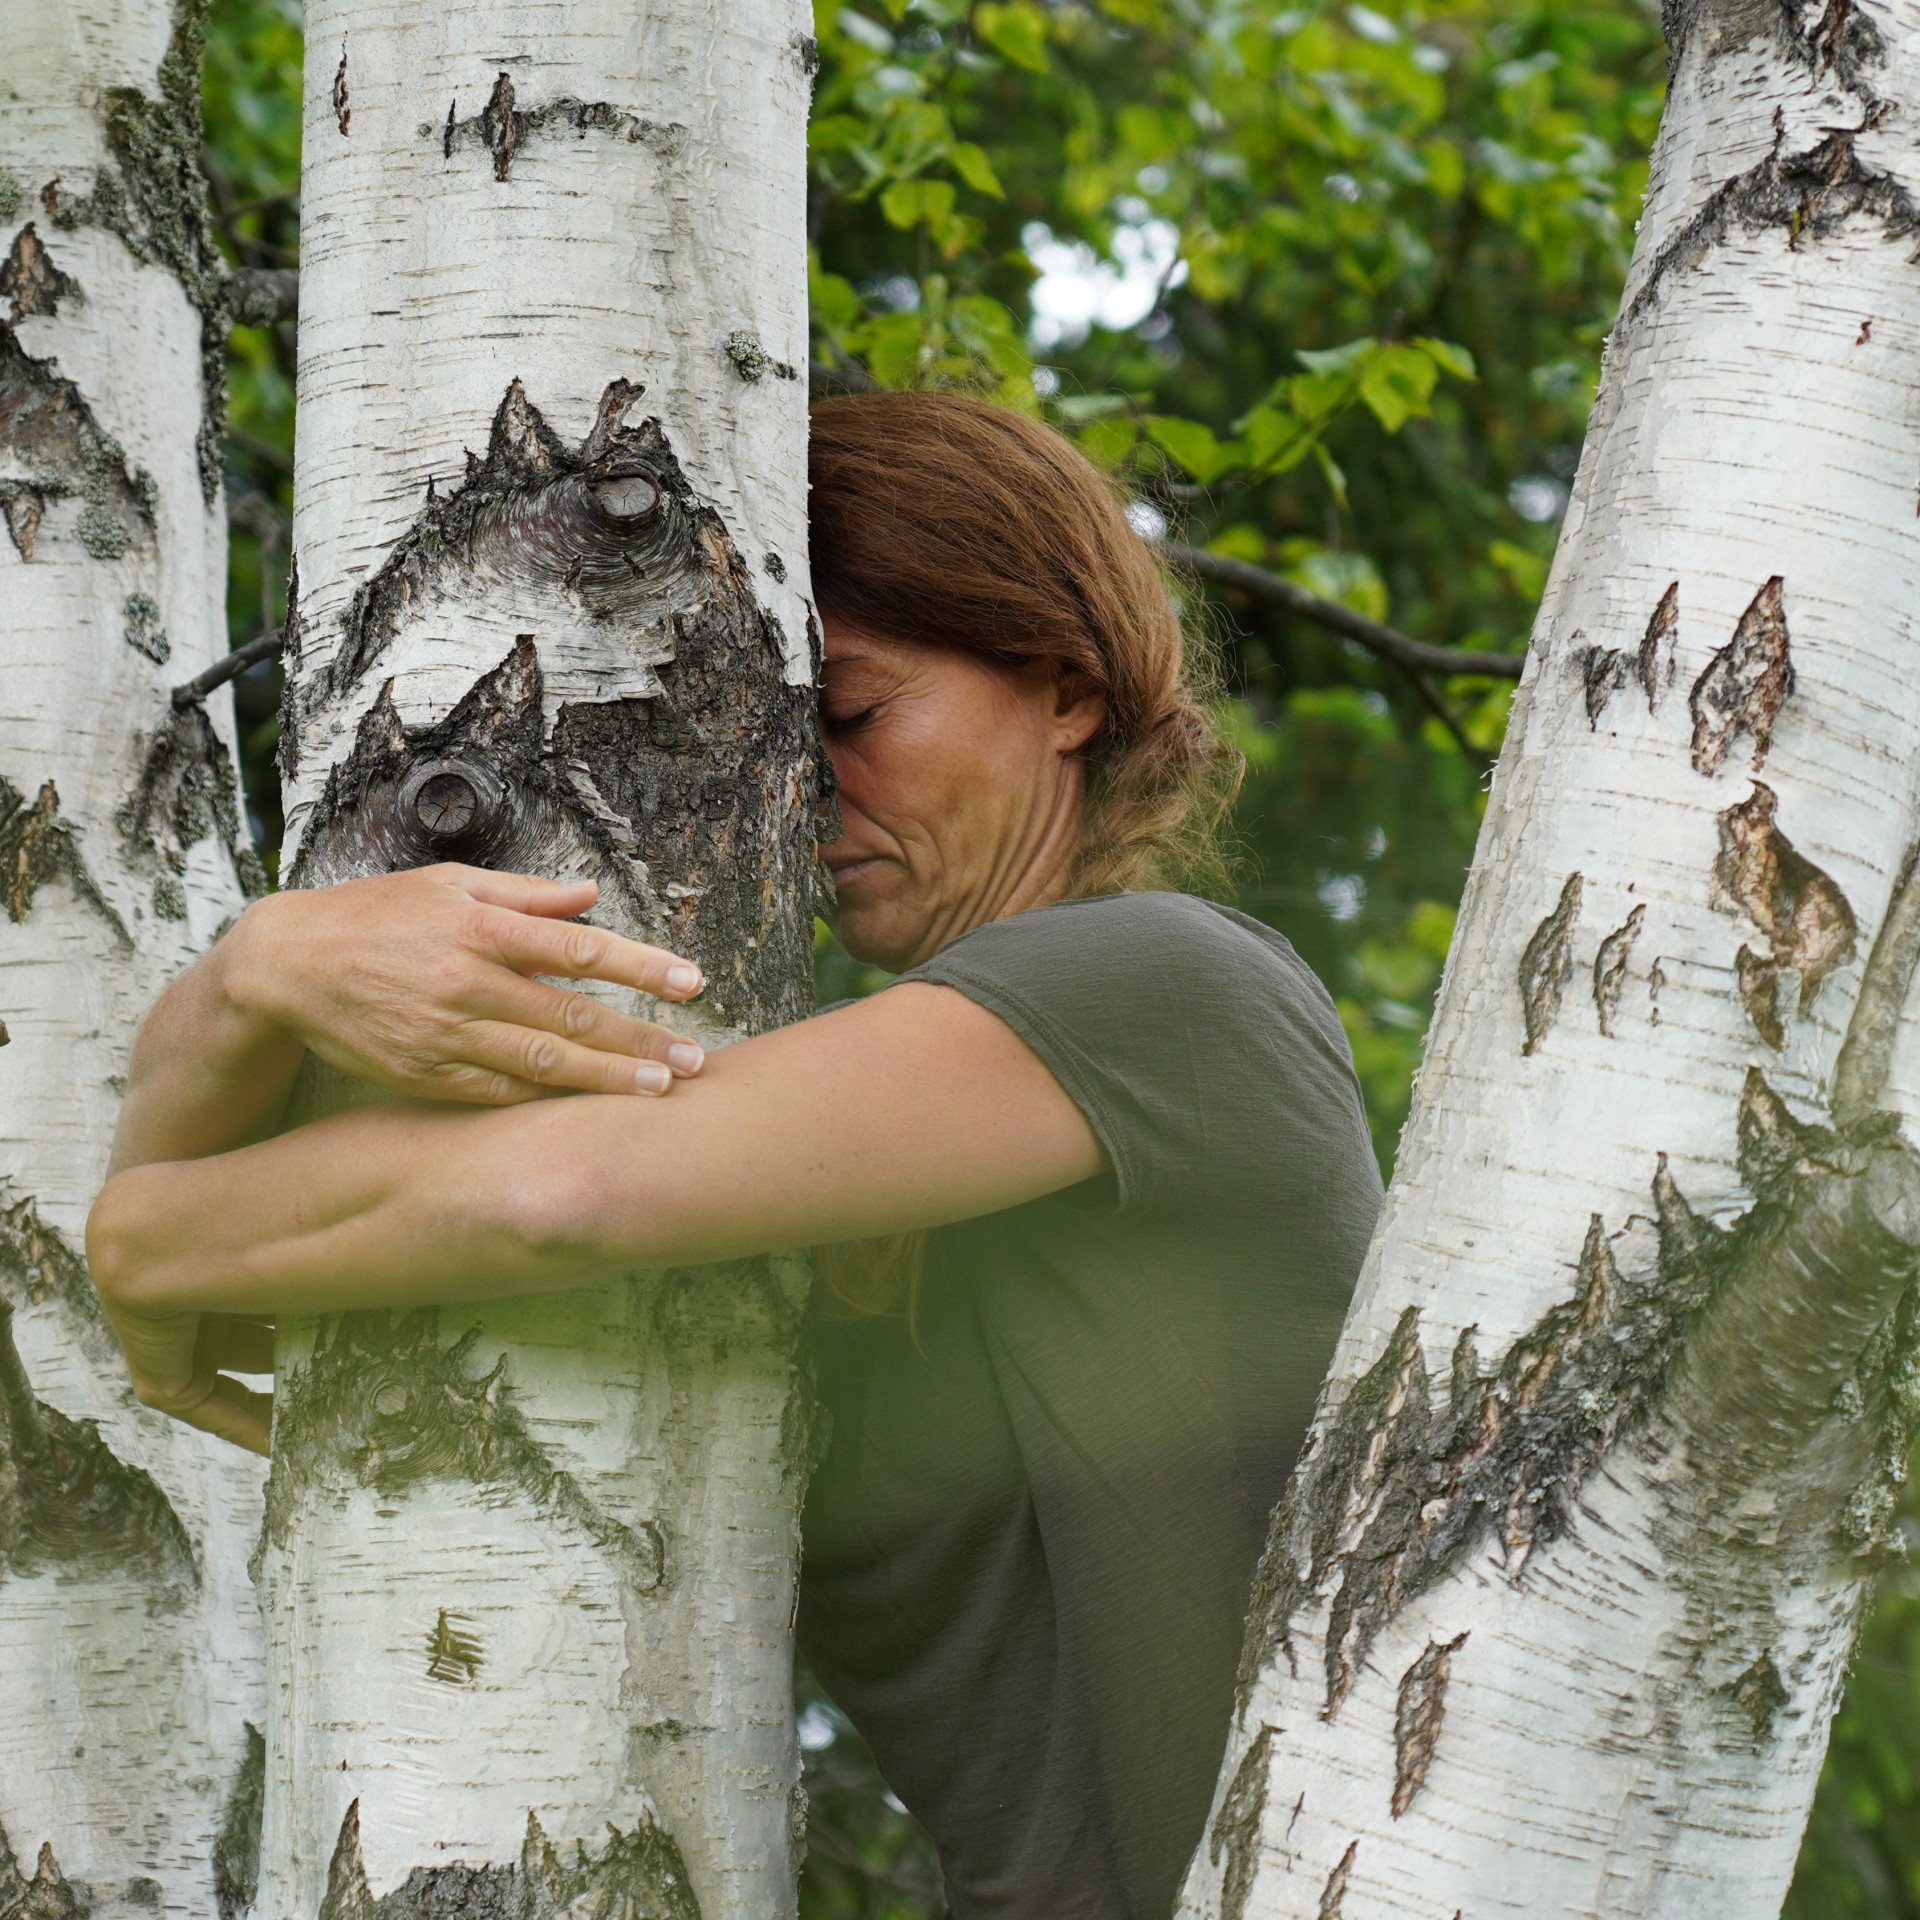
(1174, 939)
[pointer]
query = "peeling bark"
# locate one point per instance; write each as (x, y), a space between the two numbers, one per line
(1547, 965)
(1610, 967)
(1417, 1718)
(502, 128)
(1745, 685)
(1655, 656)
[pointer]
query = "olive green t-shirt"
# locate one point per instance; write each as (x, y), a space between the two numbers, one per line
(1030, 1540)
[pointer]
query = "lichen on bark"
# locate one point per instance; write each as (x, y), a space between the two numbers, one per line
(186, 792)
(38, 845)
(236, 1847)
(382, 1403)
(48, 1895)
(153, 196)
(633, 1875)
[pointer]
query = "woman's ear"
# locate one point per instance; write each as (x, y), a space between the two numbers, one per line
(1079, 709)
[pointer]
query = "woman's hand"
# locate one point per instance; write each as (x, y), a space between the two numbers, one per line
(179, 1363)
(422, 983)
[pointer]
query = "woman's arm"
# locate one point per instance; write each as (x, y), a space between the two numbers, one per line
(419, 982)
(911, 1109)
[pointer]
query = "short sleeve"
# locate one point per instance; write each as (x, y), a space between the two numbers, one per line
(1203, 1051)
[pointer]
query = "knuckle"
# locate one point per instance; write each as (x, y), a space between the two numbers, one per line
(582, 947)
(540, 1057)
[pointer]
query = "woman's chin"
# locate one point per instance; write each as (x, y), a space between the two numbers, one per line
(874, 936)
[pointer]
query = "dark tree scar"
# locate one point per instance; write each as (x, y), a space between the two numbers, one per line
(635, 1875)
(49, 435)
(49, 1895)
(1610, 967)
(185, 793)
(696, 807)
(1744, 685)
(502, 128)
(236, 1847)
(1547, 965)
(1805, 917)
(37, 845)
(1333, 1894)
(453, 1654)
(1236, 1827)
(38, 1264)
(31, 281)
(1655, 658)
(1758, 1696)
(1602, 669)
(751, 361)
(383, 1404)
(68, 1503)
(1417, 1718)
(342, 111)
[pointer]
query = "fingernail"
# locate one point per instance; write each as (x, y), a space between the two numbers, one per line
(683, 979)
(685, 1056)
(649, 1076)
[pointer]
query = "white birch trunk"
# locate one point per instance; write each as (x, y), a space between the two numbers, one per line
(129, 1646)
(529, 1567)
(1557, 1611)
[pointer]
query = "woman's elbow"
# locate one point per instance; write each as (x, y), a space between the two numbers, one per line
(119, 1238)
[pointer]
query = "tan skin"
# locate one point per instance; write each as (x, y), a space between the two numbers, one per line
(961, 795)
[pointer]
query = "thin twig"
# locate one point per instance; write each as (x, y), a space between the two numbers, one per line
(1430, 694)
(1415, 655)
(236, 663)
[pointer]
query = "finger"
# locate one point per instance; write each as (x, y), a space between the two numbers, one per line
(574, 952)
(545, 1060)
(234, 1413)
(585, 1021)
(234, 1343)
(523, 892)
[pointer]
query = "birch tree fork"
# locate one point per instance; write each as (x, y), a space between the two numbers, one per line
(1557, 1610)
(530, 1567)
(129, 1648)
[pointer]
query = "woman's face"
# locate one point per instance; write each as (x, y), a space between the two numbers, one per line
(959, 789)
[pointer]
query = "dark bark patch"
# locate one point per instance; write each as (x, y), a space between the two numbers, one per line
(68, 1503)
(1655, 656)
(1744, 685)
(342, 100)
(1806, 195)
(186, 792)
(383, 1404)
(153, 197)
(636, 1875)
(1417, 1718)
(697, 807)
(1235, 1831)
(52, 448)
(1757, 1696)
(38, 845)
(37, 1264)
(1610, 967)
(751, 361)
(1547, 965)
(806, 51)
(143, 631)
(1602, 669)
(30, 279)
(1809, 925)
(49, 1895)
(1757, 981)
(502, 128)
(1333, 1895)
(236, 1847)
(453, 1654)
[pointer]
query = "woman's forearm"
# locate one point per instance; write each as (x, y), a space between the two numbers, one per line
(206, 1074)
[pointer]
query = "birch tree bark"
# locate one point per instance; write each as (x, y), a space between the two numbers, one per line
(1557, 1610)
(529, 1567)
(130, 1669)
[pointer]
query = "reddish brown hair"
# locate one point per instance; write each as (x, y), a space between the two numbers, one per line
(938, 517)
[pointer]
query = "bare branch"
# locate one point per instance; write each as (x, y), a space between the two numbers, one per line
(266, 647)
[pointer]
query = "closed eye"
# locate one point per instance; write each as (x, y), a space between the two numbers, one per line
(838, 723)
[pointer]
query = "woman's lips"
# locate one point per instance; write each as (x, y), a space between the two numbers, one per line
(846, 870)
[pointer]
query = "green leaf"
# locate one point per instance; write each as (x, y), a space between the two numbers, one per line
(1397, 383)
(1275, 441)
(1194, 446)
(1525, 572)
(973, 166)
(1018, 31)
(907, 202)
(1336, 359)
(1450, 358)
(1107, 442)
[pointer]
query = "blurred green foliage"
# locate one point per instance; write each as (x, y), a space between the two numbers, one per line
(1324, 286)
